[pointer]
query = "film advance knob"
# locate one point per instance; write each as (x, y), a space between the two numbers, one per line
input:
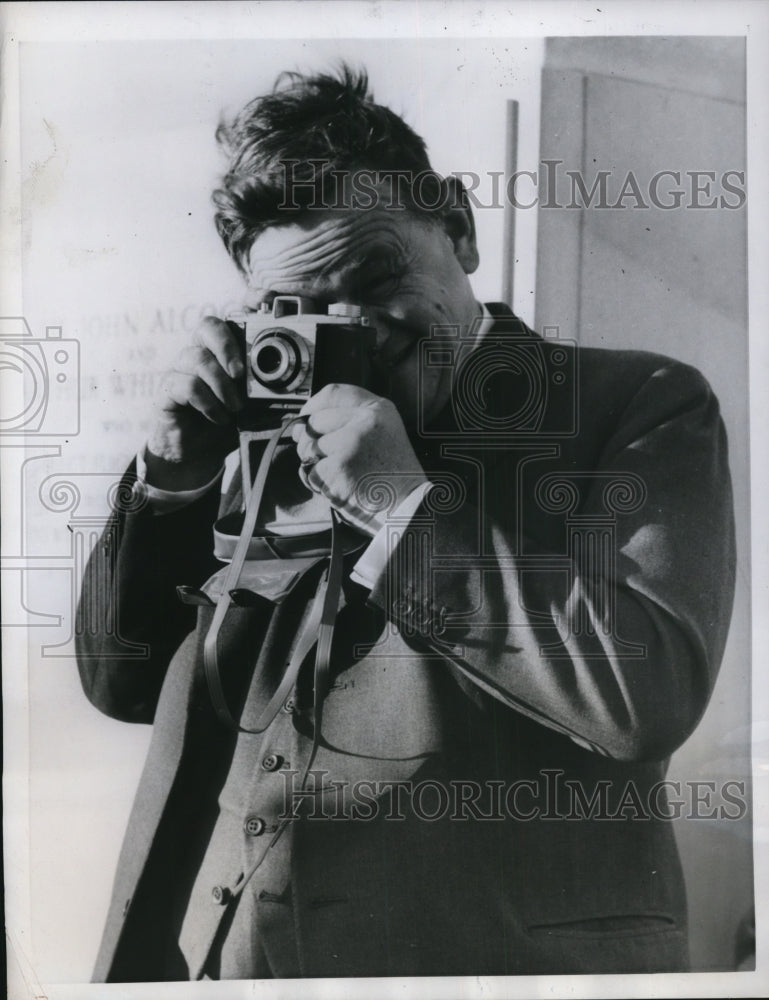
(345, 309)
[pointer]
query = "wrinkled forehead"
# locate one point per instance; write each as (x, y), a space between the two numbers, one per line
(321, 251)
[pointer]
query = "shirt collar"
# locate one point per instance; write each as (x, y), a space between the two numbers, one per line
(484, 324)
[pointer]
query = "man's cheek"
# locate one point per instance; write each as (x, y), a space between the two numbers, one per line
(415, 393)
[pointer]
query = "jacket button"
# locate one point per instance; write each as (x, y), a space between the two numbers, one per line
(288, 705)
(220, 895)
(272, 762)
(254, 826)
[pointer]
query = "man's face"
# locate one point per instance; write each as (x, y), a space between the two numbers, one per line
(405, 272)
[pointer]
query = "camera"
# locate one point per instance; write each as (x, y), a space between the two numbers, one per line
(40, 380)
(292, 349)
(512, 386)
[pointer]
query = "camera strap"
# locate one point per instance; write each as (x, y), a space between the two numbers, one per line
(319, 625)
(319, 628)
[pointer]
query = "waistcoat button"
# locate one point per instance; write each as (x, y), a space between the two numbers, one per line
(254, 826)
(220, 895)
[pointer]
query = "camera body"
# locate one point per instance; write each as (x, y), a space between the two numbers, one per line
(292, 349)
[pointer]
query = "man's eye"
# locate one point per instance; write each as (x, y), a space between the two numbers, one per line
(383, 283)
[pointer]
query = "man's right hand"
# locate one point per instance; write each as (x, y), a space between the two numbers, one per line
(194, 428)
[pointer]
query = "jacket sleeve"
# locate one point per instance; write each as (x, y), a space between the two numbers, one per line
(614, 643)
(130, 620)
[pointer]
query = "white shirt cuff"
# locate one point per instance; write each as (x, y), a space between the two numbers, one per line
(166, 501)
(369, 567)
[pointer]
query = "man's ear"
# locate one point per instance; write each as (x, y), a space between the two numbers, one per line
(459, 224)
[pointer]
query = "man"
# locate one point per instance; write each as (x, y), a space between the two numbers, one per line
(536, 596)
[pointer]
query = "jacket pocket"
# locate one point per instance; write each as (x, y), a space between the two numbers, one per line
(272, 579)
(614, 925)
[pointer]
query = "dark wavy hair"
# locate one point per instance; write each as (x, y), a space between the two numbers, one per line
(315, 127)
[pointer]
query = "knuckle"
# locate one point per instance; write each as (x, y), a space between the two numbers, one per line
(199, 360)
(179, 387)
(205, 329)
(188, 355)
(207, 366)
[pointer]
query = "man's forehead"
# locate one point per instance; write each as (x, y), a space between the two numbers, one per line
(328, 241)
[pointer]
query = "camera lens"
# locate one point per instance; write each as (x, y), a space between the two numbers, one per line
(269, 360)
(279, 359)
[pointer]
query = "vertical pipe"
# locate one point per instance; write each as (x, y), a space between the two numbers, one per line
(511, 165)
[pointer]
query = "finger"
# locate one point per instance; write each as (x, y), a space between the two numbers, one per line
(183, 390)
(301, 427)
(324, 421)
(222, 339)
(339, 431)
(298, 429)
(325, 476)
(309, 450)
(199, 361)
(303, 478)
(338, 394)
(310, 478)
(340, 442)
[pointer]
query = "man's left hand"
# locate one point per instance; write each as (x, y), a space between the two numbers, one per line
(354, 449)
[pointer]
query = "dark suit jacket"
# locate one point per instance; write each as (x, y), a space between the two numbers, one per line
(549, 625)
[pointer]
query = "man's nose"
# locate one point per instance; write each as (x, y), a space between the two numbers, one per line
(387, 321)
